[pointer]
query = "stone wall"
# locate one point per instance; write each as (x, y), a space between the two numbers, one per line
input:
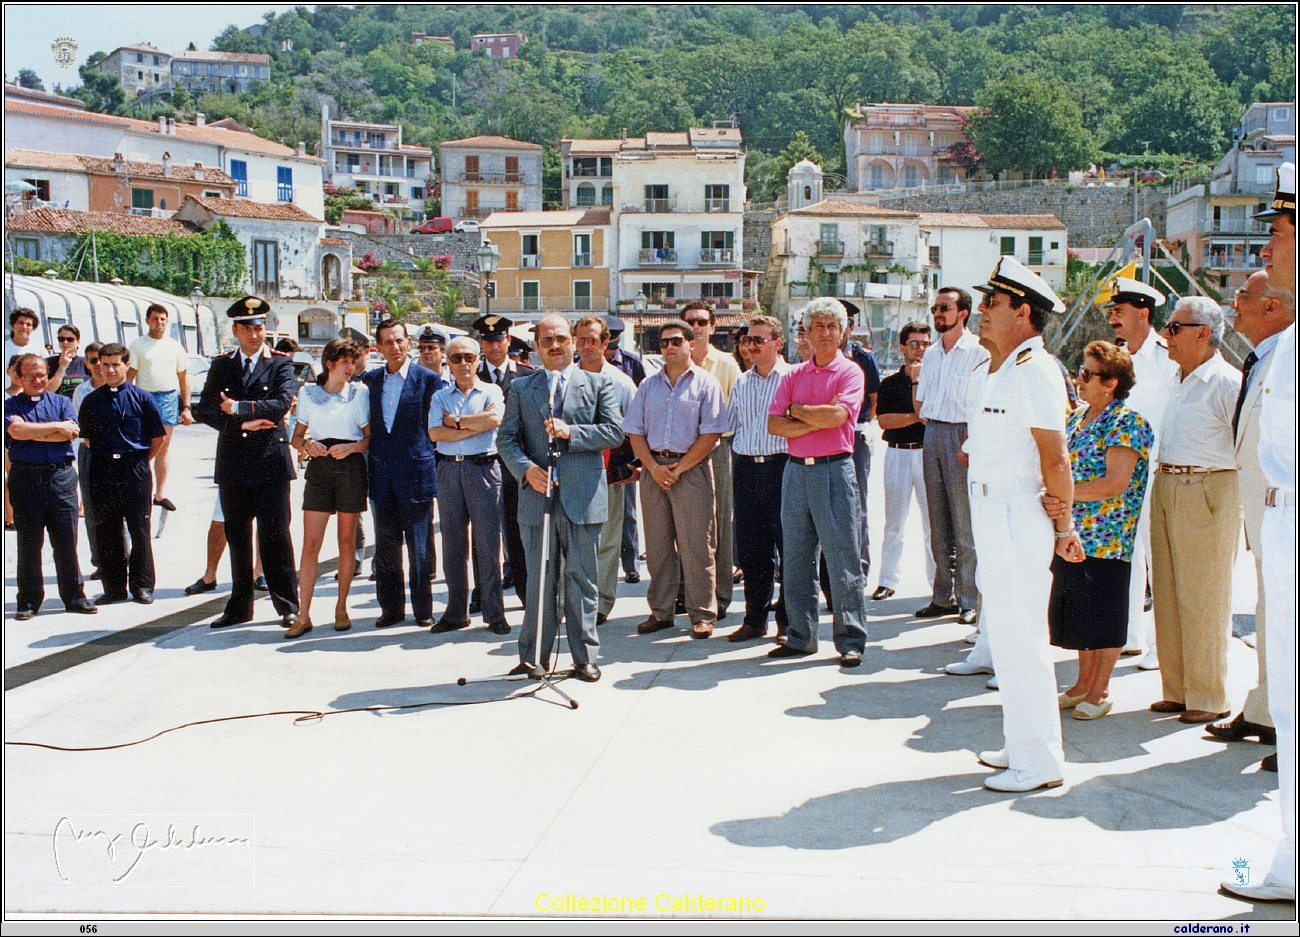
(758, 238)
(1095, 216)
(400, 247)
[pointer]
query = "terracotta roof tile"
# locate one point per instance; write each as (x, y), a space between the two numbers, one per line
(241, 208)
(44, 97)
(832, 206)
(1023, 221)
(66, 221)
(36, 159)
(491, 141)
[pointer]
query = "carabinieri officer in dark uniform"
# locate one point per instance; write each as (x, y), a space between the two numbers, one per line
(125, 430)
(247, 394)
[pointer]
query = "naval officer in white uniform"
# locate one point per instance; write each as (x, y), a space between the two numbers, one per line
(1017, 449)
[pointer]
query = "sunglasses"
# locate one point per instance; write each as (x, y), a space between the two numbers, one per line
(747, 340)
(916, 345)
(672, 341)
(463, 358)
(696, 323)
(1173, 328)
(551, 341)
(92, 361)
(1085, 375)
(66, 338)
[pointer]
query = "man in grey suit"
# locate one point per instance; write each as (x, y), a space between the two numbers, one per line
(580, 410)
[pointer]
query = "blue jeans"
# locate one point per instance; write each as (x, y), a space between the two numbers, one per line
(820, 508)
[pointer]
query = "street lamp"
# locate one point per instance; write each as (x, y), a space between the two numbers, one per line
(639, 303)
(488, 257)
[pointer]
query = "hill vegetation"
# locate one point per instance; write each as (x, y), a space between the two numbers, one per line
(1078, 82)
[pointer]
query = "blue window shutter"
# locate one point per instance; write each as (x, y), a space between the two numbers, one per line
(239, 172)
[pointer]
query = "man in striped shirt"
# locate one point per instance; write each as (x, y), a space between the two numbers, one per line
(940, 397)
(759, 467)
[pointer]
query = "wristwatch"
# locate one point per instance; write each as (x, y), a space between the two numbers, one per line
(457, 421)
(789, 415)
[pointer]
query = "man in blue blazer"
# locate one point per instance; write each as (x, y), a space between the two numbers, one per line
(580, 408)
(403, 475)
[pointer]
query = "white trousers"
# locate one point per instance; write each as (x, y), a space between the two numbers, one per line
(1013, 546)
(904, 474)
(1278, 537)
(1141, 630)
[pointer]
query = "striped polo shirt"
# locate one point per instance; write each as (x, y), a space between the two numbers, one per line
(751, 397)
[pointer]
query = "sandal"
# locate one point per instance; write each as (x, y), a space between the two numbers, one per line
(1066, 701)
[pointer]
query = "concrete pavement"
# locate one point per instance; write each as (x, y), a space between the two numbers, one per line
(788, 789)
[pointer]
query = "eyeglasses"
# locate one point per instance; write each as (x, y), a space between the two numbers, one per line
(672, 341)
(92, 361)
(1173, 328)
(66, 338)
(463, 358)
(917, 345)
(696, 323)
(751, 340)
(552, 340)
(943, 307)
(1085, 375)
(430, 347)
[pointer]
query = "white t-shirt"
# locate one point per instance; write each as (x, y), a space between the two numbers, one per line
(335, 416)
(157, 362)
(31, 348)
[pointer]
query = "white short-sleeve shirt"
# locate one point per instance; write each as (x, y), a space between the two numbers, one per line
(1024, 394)
(335, 416)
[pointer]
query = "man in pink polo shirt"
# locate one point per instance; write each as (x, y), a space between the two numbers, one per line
(816, 410)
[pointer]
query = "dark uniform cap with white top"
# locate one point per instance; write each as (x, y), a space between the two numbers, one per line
(250, 310)
(430, 334)
(1014, 278)
(492, 327)
(1134, 293)
(1283, 196)
(615, 325)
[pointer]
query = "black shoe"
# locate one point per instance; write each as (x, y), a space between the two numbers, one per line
(164, 503)
(371, 577)
(783, 651)
(426, 623)
(507, 583)
(632, 578)
(84, 607)
(521, 670)
(200, 587)
(1239, 729)
(111, 598)
(968, 616)
(387, 621)
(748, 633)
(601, 618)
(445, 625)
(500, 627)
(1269, 763)
(288, 619)
(260, 584)
(24, 614)
(680, 607)
(587, 673)
(722, 613)
(936, 611)
(94, 575)
(851, 659)
(882, 592)
(475, 606)
(143, 596)
(225, 621)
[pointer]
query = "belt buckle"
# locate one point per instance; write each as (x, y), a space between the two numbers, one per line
(117, 455)
(807, 461)
(1270, 498)
(978, 490)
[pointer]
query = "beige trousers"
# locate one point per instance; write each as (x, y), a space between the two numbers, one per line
(1194, 525)
(681, 539)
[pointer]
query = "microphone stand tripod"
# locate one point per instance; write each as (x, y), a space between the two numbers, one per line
(535, 669)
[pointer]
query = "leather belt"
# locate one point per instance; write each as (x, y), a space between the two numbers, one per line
(821, 459)
(666, 454)
(760, 459)
(127, 455)
(1279, 498)
(1165, 469)
(906, 445)
(479, 459)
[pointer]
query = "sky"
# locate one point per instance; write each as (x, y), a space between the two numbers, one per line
(30, 29)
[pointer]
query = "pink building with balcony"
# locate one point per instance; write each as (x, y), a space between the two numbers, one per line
(896, 146)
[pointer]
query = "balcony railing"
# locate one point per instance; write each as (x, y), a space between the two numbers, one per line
(657, 257)
(582, 260)
(530, 260)
(717, 255)
(586, 172)
(363, 145)
(563, 304)
(141, 212)
(655, 205)
(284, 193)
(1035, 258)
(830, 248)
(475, 212)
(717, 204)
(1231, 226)
(1234, 262)
(495, 178)
(878, 249)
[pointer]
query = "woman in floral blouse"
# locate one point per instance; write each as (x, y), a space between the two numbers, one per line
(1109, 448)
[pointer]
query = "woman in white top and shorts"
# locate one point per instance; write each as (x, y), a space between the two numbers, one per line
(336, 412)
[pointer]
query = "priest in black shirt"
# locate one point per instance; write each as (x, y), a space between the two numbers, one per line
(903, 431)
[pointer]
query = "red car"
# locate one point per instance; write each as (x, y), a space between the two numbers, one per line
(435, 226)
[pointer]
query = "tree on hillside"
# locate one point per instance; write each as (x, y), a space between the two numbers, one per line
(1028, 124)
(29, 79)
(774, 173)
(1185, 110)
(100, 91)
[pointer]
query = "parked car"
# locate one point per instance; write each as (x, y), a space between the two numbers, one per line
(467, 226)
(435, 226)
(197, 375)
(305, 369)
(1152, 175)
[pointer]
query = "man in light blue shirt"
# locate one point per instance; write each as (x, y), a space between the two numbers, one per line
(463, 421)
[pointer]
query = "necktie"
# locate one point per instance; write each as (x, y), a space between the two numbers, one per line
(558, 407)
(248, 371)
(1246, 367)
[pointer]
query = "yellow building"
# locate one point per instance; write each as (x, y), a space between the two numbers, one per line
(554, 261)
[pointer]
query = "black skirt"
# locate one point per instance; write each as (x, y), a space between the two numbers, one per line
(1088, 610)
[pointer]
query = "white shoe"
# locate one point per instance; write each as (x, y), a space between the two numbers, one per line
(995, 759)
(1150, 661)
(964, 668)
(1019, 781)
(1265, 892)
(993, 683)
(973, 637)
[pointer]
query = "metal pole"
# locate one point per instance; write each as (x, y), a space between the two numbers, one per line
(94, 253)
